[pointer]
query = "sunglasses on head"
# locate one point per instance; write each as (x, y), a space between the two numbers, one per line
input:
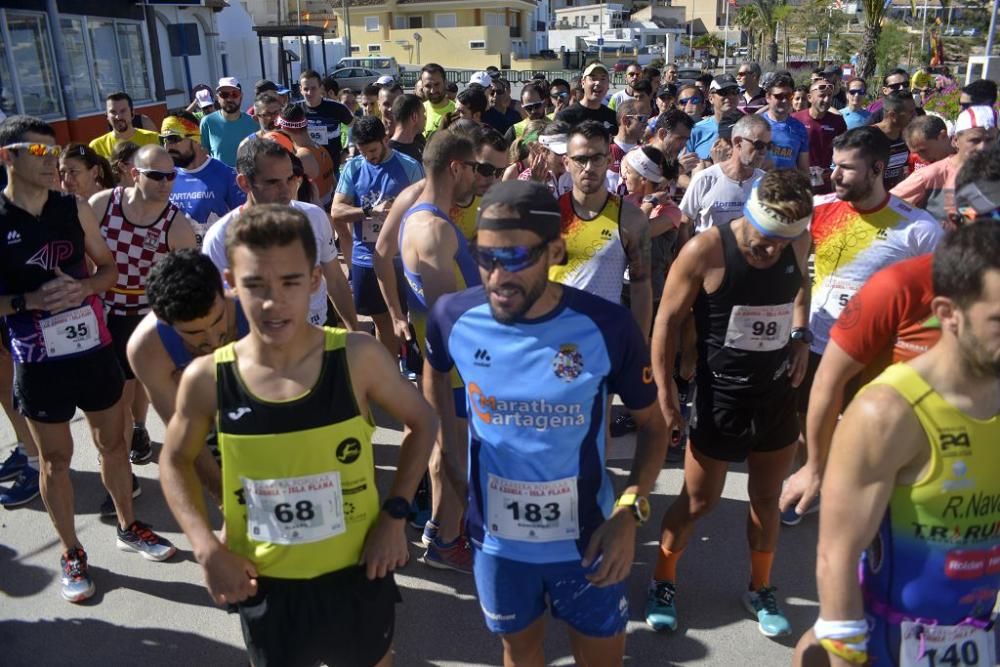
(38, 150)
(229, 95)
(856, 91)
(487, 170)
(531, 106)
(510, 258)
(158, 175)
(689, 100)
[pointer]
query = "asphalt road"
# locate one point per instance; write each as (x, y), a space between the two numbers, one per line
(151, 614)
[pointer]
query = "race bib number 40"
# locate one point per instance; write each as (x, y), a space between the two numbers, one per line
(533, 511)
(945, 646)
(759, 328)
(70, 332)
(295, 510)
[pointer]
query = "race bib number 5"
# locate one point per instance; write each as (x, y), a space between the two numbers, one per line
(533, 511)
(295, 510)
(838, 291)
(70, 332)
(759, 328)
(945, 646)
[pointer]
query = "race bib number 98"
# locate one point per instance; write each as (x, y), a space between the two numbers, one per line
(533, 511)
(295, 510)
(945, 646)
(759, 328)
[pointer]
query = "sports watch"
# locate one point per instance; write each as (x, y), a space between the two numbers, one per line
(18, 303)
(396, 507)
(638, 504)
(802, 335)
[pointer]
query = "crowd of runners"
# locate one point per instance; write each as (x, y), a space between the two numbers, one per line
(761, 272)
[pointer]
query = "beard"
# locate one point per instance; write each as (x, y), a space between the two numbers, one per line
(230, 107)
(528, 299)
(853, 193)
(180, 159)
(980, 361)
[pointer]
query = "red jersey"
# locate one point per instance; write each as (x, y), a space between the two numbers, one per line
(889, 319)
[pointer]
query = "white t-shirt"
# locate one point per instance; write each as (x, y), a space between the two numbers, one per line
(713, 198)
(215, 247)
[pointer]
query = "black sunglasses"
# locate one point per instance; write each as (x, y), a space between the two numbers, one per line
(897, 86)
(531, 106)
(487, 170)
(158, 175)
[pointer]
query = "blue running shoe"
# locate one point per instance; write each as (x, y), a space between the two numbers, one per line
(12, 465)
(792, 518)
(140, 538)
(456, 556)
(763, 605)
(24, 490)
(661, 612)
(77, 585)
(430, 533)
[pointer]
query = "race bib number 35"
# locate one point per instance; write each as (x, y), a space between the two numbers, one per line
(533, 511)
(70, 332)
(759, 328)
(295, 510)
(945, 646)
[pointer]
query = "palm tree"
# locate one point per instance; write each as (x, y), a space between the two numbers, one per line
(874, 13)
(747, 20)
(768, 17)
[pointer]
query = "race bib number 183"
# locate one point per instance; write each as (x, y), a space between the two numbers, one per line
(533, 511)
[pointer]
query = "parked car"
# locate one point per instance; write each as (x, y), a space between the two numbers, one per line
(952, 31)
(689, 74)
(970, 32)
(355, 78)
(547, 53)
(384, 65)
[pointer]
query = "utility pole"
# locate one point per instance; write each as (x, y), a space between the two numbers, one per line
(725, 41)
(923, 29)
(993, 28)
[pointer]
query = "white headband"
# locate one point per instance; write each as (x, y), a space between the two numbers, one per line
(644, 166)
(769, 223)
(554, 142)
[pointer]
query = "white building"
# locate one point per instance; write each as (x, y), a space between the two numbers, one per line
(612, 26)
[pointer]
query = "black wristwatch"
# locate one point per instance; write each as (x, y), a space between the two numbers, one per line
(367, 210)
(18, 303)
(396, 507)
(802, 335)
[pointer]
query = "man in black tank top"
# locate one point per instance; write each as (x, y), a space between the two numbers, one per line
(747, 282)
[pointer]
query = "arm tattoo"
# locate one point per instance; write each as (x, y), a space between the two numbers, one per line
(638, 249)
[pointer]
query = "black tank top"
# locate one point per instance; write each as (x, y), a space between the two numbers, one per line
(744, 326)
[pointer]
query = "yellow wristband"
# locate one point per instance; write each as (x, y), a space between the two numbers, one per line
(847, 649)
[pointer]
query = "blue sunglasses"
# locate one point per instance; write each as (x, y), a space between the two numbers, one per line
(509, 258)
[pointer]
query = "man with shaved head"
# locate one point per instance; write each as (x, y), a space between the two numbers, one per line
(140, 225)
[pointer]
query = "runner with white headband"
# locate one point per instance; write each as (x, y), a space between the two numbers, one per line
(748, 284)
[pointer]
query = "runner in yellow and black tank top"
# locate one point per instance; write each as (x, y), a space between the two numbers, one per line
(595, 254)
(298, 477)
(465, 217)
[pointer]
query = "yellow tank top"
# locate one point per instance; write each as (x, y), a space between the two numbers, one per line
(595, 254)
(937, 553)
(464, 218)
(298, 476)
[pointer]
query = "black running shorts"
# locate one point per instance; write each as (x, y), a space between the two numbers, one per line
(341, 619)
(121, 327)
(51, 391)
(729, 430)
(367, 295)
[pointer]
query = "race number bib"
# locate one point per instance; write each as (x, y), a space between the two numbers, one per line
(319, 134)
(294, 510)
(838, 291)
(70, 332)
(759, 328)
(945, 645)
(533, 511)
(370, 227)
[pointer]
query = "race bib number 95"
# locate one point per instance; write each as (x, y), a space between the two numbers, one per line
(533, 511)
(294, 510)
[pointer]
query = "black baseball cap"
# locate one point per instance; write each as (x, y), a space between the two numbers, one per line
(537, 209)
(667, 89)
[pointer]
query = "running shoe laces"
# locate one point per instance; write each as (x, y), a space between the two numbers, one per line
(144, 531)
(767, 600)
(664, 593)
(74, 564)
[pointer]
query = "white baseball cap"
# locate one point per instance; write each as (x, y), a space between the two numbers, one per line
(204, 98)
(481, 78)
(978, 116)
(385, 80)
(229, 82)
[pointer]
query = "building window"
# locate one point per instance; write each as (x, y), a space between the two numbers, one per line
(416, 22)
(493, 19)
(7, 102)
(374, 48)
(107, 73)
(398, 22)
(371, 24)
(355, 48)
(81, 83)
(133, 60)
(445, 21)
(34, 66)
(477, 44)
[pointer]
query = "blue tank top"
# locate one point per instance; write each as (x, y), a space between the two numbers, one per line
(466, 269)
(174, 345)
